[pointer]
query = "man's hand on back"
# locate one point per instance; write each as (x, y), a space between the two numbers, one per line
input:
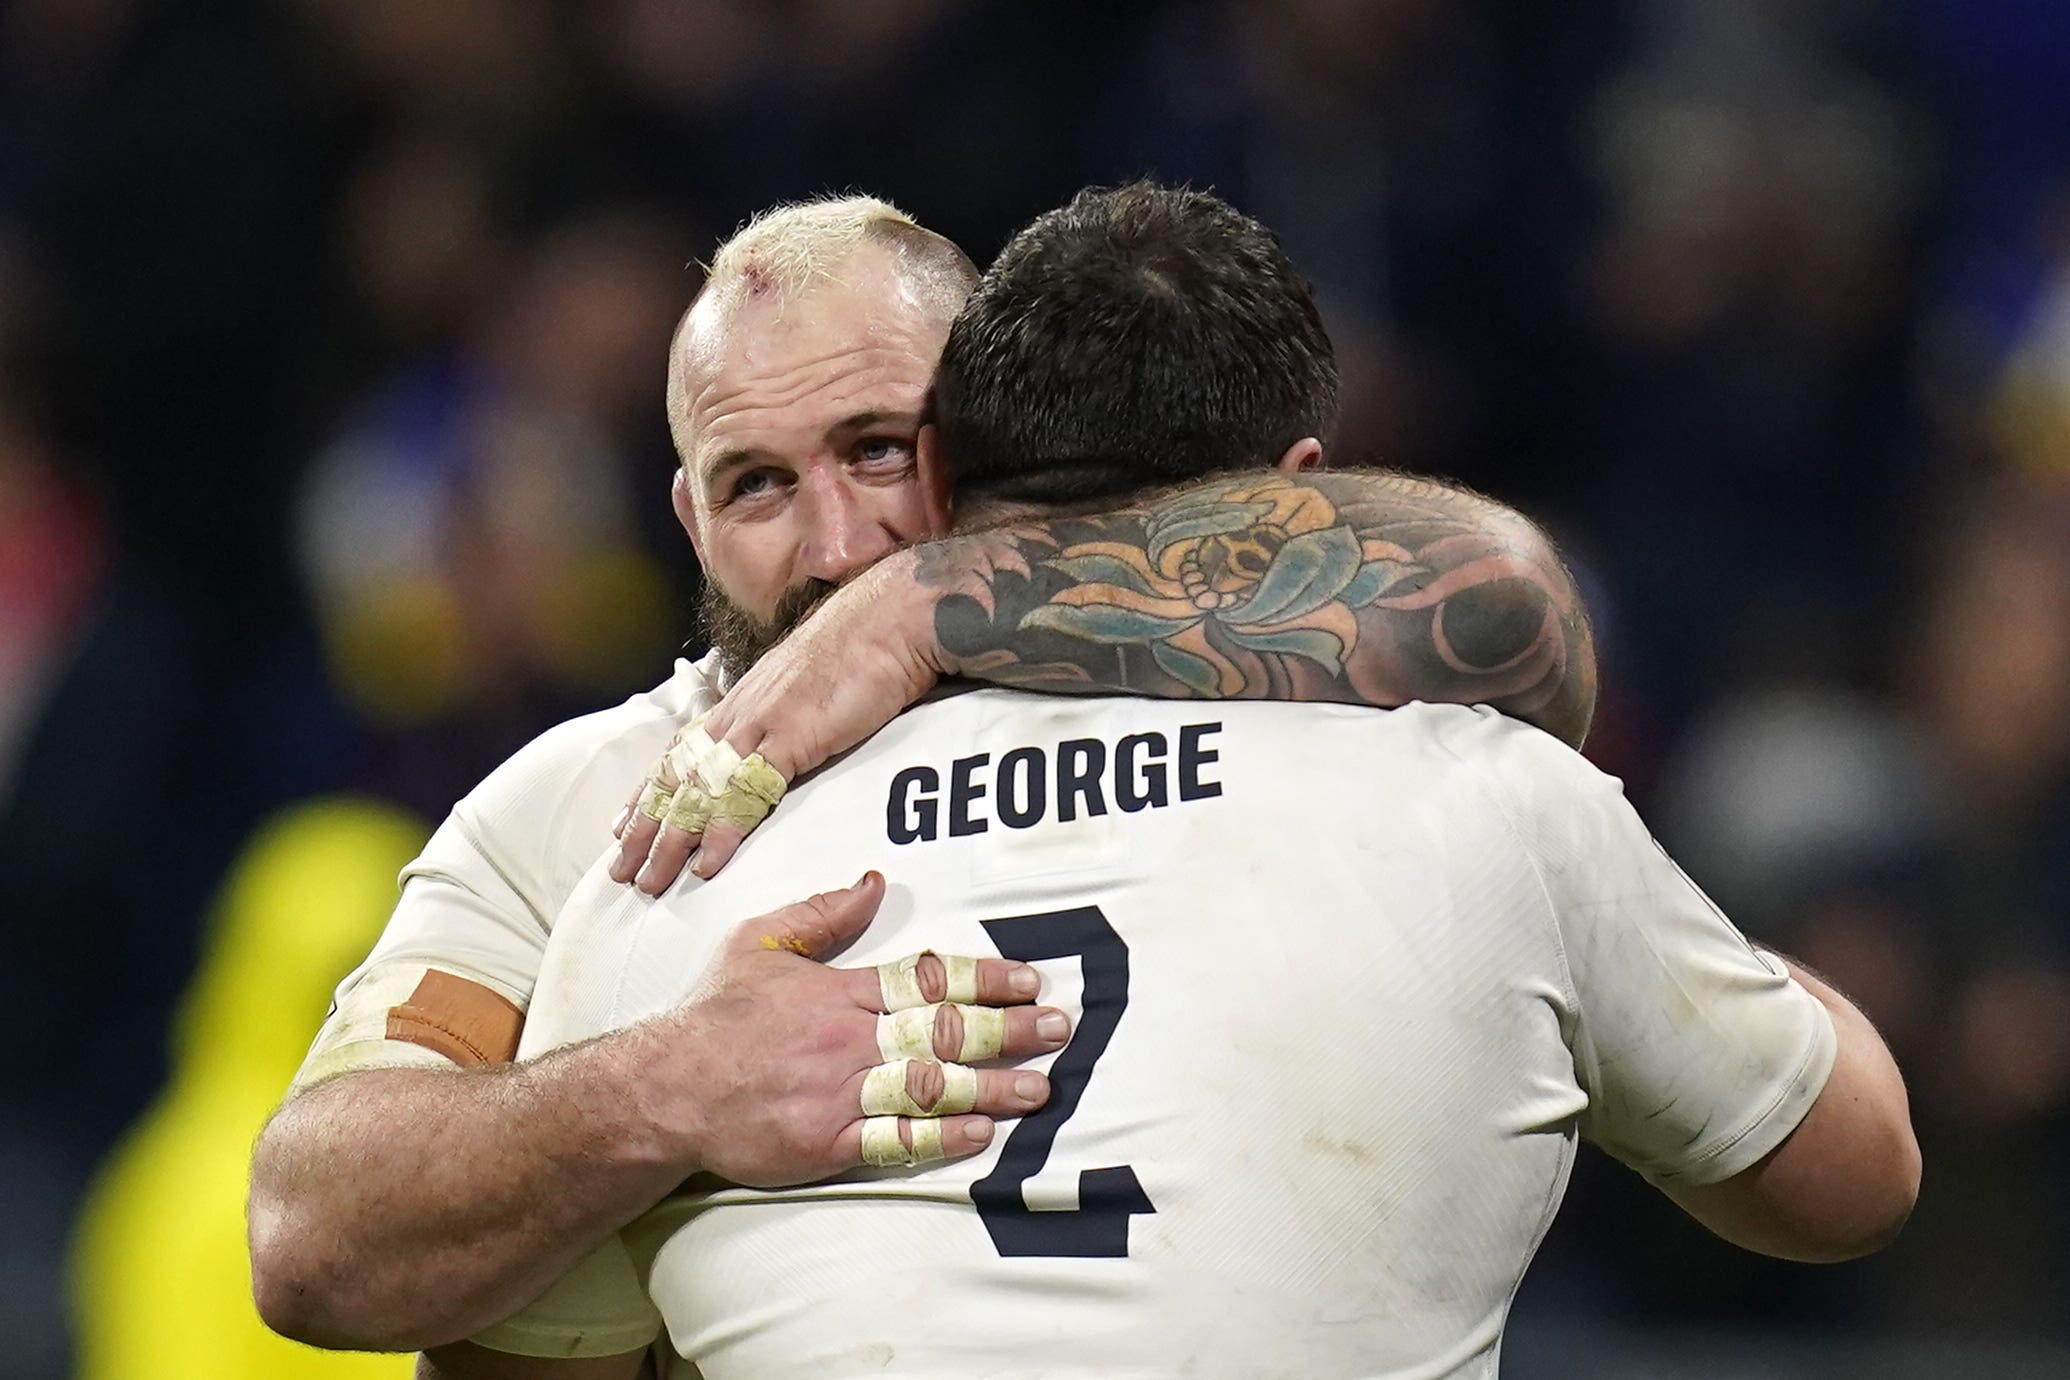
(762, 1071)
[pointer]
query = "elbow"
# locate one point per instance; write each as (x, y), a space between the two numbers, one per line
(296, 1284)
(284, 1286)
(1895, 1193)
(1883, 1189)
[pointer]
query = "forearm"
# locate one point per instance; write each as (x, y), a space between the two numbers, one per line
(1359, 587)
(1844, 1181)
(402, 1208)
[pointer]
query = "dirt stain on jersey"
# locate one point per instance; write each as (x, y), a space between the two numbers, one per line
(1338, 1147)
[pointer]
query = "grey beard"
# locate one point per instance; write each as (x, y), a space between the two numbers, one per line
(740, 637)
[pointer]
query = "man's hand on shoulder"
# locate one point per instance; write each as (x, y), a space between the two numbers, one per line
(863, 656)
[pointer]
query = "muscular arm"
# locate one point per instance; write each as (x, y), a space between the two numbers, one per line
(399, 1208)
(1844, 1181)
(1361, 587)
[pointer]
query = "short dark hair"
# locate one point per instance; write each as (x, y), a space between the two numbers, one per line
(1138, 337)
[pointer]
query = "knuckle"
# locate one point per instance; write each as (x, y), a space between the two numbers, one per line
(948, 1032)
(932, 977)
(925, 1082)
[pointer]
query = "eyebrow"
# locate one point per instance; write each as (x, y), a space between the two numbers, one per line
(862, 421)
(721, 469)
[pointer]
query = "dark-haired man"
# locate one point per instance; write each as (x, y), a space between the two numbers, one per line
(1451, 951)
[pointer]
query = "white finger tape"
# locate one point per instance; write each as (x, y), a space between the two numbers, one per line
(899, 982)
(715, 767)
(884, 1092)
(909, 1034)
(984, 1033)
(882, 1147)
(685, 749)
(961, 974)
(881, 1144)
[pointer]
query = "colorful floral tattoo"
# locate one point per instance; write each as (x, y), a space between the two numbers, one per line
(1355, 586)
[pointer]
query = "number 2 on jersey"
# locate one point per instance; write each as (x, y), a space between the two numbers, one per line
(1107, 1198)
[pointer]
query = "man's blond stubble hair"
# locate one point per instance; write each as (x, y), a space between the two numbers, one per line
(788, 250)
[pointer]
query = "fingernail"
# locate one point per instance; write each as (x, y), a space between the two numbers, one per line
(980, 1132)
(1052, 1026)
(1029, 1086)
(1024, 981)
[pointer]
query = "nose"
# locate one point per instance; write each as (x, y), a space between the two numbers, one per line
(843, 534)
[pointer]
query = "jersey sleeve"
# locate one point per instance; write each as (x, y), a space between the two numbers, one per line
(461, 952)
(453, 973)
(599, 1308)
(1697, 1053)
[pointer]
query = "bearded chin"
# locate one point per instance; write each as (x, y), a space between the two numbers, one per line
(740, 637)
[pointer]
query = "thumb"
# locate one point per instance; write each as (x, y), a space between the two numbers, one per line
(817, 925)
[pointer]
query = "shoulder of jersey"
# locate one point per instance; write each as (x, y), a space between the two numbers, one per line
(1525, 764)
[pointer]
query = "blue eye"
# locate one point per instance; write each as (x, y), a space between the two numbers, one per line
(874, 449)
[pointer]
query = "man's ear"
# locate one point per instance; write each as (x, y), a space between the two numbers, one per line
(686, 509)
(940, 504)
(1304, 454)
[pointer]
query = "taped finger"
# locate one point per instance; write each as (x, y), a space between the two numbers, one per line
(884, 1091)
(959, 975)
(909, 1033)
(716, 764)
(751, 788)
(883, 1147)
(680, 759)
(690, 809)
(654, 800)
(900, 982)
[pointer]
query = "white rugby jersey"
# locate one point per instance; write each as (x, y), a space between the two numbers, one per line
(1348, 986)
(479, 901)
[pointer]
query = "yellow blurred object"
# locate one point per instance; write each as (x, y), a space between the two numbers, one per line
(398, 652)
(607, 617)
(161, 1282)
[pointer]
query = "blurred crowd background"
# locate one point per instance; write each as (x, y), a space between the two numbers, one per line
(333, 467)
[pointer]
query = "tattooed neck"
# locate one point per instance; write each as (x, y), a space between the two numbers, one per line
(1353, 586)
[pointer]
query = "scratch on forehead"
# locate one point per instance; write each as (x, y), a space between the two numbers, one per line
(756, 276)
